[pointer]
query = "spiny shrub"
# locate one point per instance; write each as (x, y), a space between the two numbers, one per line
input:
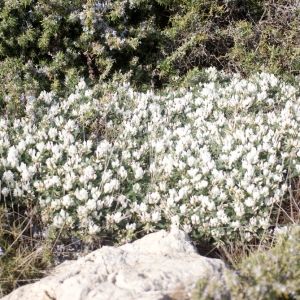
(214, 159)
(235, 36)
(43, 44)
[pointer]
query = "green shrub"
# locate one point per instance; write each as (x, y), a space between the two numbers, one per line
(272, 274)
(235, 36)
(43, 44)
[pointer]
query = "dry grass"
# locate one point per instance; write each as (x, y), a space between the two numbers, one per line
(29, 255)
(24, 259)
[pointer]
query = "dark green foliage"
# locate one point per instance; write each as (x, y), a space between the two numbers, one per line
(43, 44)
(235, 36)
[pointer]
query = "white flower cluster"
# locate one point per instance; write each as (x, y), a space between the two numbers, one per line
(213, 159)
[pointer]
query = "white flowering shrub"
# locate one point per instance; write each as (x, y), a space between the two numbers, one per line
(213, 159)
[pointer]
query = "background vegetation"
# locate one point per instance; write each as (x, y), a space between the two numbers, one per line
(45, 44)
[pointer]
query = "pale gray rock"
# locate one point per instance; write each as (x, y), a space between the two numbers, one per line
(161, 265)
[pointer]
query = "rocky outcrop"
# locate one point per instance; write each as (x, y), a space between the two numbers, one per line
(161, 265)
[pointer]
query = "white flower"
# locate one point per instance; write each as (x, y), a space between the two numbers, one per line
(106, 175)
(155, 216)
(152, 168)
(187, 228)
(126, 154)
(136, 154)
(250, 189)
(70, 125)
(192, 172)
(214, 222)
(21, 146)
(96, 193)
(131, 227)
(167, 164)
(108, 201)
(68, 183)
(153, 197)
(102, 148)
(239, 209)
(138, 173)
(162, 186)
(215, 192)
(114, 184)
(5, 191)
(100, 204)
(136, 188)
(122, 200)
(143, 207)
(145, 217)
(123, 172)
(223, 196)
(201, 185)
(91, 204)
(40, 146)
(87, 145)
(210, 205)
(171, 202)
(229, 182)
(93, 229)
(256, 195)
(183, 192)
(8, 177)
(248, 236)
(159, 146)
(35, 156)
(88, 174)
(205, 170)
(12, 157)
(82, 212)
(115, 163)
(118, 217)
(235, 224)
(18, 192)
(191, 161)
(250, 202)
(222, 216)
(38, 185)
(175, 220)
(81, 84)
(52, 133)
(88, 93)
(81, 195)
(67, 201)
(183, 209)
(58, 221)
(195, 219)
(55, 204)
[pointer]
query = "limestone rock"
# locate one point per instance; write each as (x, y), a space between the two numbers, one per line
(161, 265)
